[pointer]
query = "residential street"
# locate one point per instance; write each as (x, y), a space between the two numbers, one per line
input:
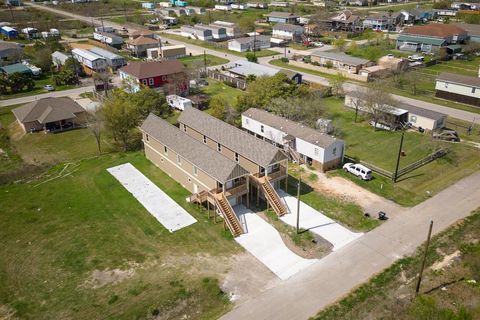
(56, 94)
(456, 113)
(329, 279)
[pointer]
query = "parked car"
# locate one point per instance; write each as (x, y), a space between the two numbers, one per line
(49, 87)
(447, 135)
(318, 44)
(358, 170)
(416, 57)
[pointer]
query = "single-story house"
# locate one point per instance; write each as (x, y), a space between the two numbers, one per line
(239, 6)
(401, 113)
(282, 17)
(473, 31)
(89, 60)
(249, 43)
(59, 58)
(167, 52)
(16, 68)
(287, 32)
(243, 69)
(114, 60)
(302, 143)
(141, 33)
(393, 63)
(10, 51)
(50, 114)
(9, 32)
(30, 33)
(223, 7)
(218, 32)
(196, 33)
(458, 88)
(139, 45)
(342, 21)
(168, 75)
(109, 38)
(340, 61)
(430, 37)
(231, 28)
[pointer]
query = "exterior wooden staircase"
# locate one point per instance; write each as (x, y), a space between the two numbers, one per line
(228, 214)
(294, 155)
(273, 198)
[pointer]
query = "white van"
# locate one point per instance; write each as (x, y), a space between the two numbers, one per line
(359, 170)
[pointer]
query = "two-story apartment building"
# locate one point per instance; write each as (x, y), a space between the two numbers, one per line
(209, 175)
(302, 143)
(267, 164)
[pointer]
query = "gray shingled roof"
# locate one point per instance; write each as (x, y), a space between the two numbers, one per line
(459, 79)
(339, 56)
(48, 110)
(206, 159)
(289, 127)
(252, 148)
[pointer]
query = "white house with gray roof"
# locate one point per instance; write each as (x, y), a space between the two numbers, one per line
(196, 32)
(340, 61)
(287, 31)
(249, 43)
(114, 60)
(302, 143)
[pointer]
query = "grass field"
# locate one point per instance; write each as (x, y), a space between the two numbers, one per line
(390, 294)
(56, 235)
(105, 8)
(205, 44)
(200, 59)
(380, 148)
(280, 63)
(218, 88)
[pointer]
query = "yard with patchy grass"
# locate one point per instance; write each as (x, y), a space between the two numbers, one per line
(450, 286)
(201, 60)
(380, 148)
(40, 83)
(218, 88)
(81, 245)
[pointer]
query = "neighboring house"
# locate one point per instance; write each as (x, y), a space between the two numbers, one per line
(380, 22)
(191, 163)
(239, 6)
(458, 88)
(343, 21)
(178, 102)
(249, 43)
(167, 52)
(59, 58)
(267, 165)
(394, 64)
(90, 61)
(105, 29)
(168, 75)
(178, 11)
(109, 38)
(450, 13)
(473, 31)
(10, 51)
(401, 113)
(13, 3)
(281, 4)
(242, 69)
(257, 5)
(304, 144)
(30, 33)
(231, 28)
(141, 33)
(50, 114)
(16, 68)
(357, 3)
(114, 61)
(148, 5)
(413, 16)
(340, 61)
(218, 32)
(287, 32)
(198, 10)
(196, 33)
(223, 7)
(9, 32)
(430, 37)
(282, 17)
(139, 45)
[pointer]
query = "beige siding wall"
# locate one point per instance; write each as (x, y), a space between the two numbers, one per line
(245, 163)
(182, 172)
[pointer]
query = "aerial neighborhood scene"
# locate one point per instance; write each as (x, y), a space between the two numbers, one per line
(236, 159)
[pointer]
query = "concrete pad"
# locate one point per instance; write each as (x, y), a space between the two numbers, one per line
(158, 203)
(315, 221)
(264, 242)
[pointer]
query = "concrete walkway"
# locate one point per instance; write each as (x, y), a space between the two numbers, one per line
(316, 222)
(264, 242)
(332, 277)
(158, 203)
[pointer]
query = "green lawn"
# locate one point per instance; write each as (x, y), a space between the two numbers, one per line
(38, 89)
(56, 234)
(280, 63)
(391, 294)
(205, 44)
(200, 59)
(380, 148)
(218, 88)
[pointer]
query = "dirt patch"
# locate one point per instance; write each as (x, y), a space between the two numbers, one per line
(100, 278)
(247, 277)
(446, 261)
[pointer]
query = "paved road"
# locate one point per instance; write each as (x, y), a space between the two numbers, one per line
(459, 114)
(64, 93)
(304, 294)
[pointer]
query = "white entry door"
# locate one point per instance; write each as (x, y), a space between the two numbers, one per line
(195, 188)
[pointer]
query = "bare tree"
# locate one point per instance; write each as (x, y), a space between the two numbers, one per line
(95, 124)
(378, 103)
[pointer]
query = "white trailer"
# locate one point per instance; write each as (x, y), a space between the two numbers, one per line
(178, 102)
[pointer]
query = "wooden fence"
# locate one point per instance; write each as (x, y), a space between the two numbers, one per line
(236, 82)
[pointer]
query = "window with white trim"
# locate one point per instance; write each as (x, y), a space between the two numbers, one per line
(204, 139)
(195, 170)
(150, 81)
(219, 147)
(184, 128)
(473, 89)
(144, 81)
(316, 151)
(262, 129)
(236, 156)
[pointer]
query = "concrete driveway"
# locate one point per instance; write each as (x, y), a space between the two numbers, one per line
(316, 222)
(264, 242)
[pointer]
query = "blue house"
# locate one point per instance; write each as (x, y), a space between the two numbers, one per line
(13, 3)
(181, 3)
(282, 17)
(9, 32)
(148, 5)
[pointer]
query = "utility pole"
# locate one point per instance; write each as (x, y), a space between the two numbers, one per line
(298, 203)
(11, 13)
(159, 48)
(254, 41)
(205, 63)
(398, 157)
(417, 289)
